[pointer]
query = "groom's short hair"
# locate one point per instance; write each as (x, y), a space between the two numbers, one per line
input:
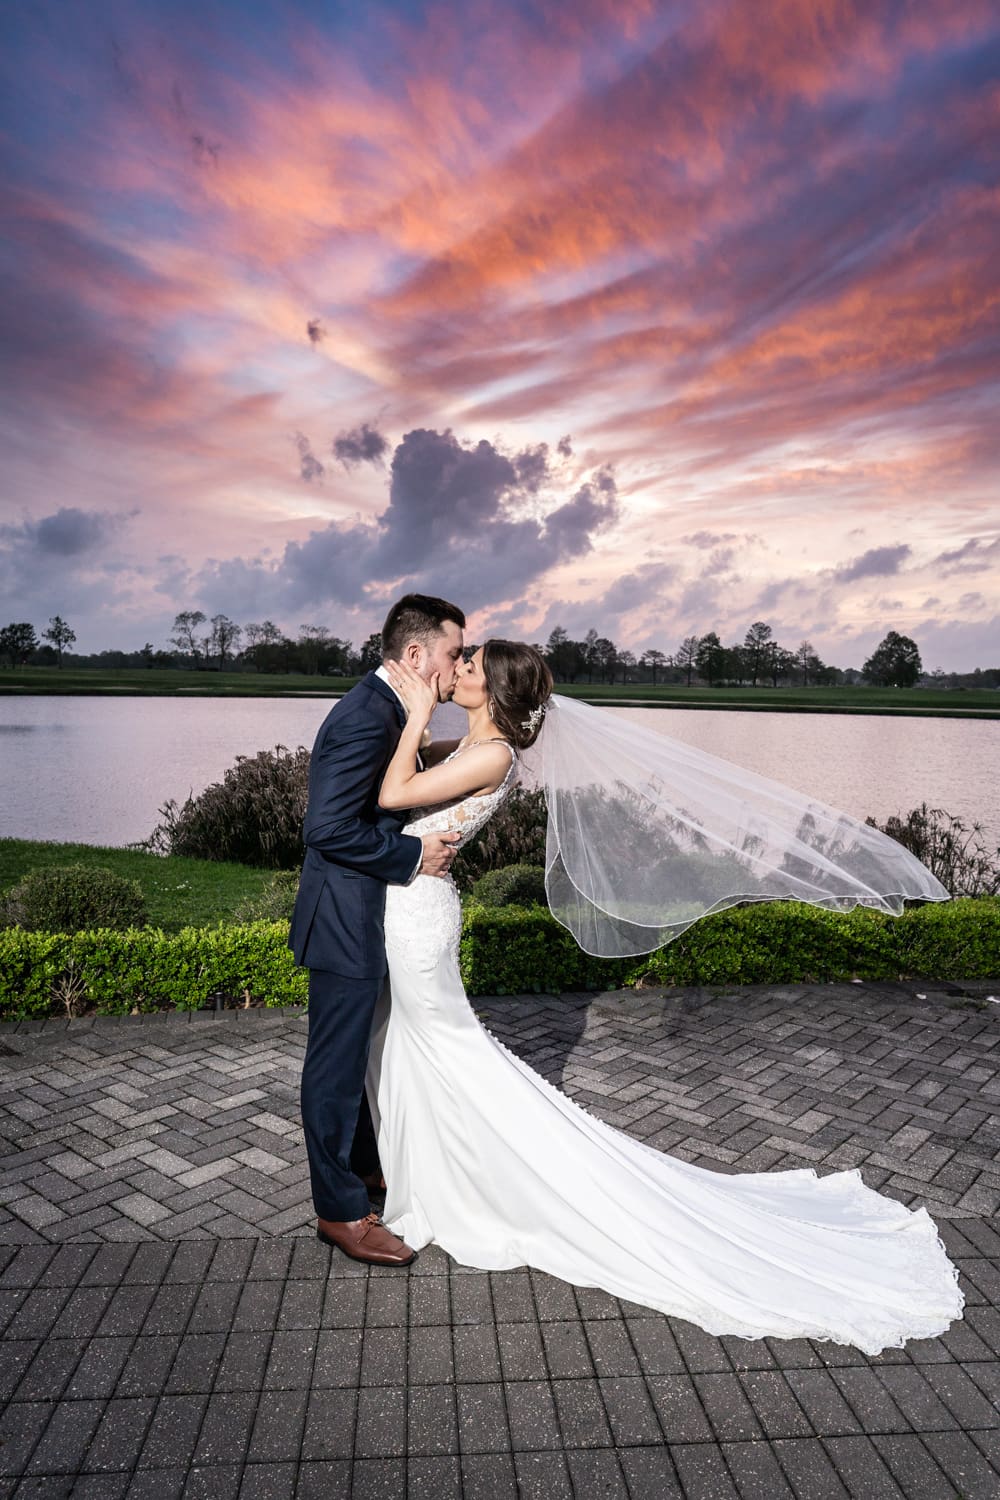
(416, 617)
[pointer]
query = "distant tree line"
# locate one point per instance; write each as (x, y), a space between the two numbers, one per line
(757, 660)
(200, 644)
(217, 643)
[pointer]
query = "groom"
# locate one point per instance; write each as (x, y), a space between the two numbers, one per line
(353, 850)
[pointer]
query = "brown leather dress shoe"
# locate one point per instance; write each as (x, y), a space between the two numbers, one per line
(374, 1182)
(365, 1239)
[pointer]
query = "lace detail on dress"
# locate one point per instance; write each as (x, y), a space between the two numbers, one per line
(463, 815)
(423, 920)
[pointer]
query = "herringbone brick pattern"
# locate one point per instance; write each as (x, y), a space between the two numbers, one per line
(171, 1327)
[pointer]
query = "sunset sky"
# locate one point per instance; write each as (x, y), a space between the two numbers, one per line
(658, 318)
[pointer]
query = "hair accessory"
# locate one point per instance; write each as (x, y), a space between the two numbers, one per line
(533, 720)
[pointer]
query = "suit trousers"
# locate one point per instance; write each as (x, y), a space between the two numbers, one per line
(340, 1137)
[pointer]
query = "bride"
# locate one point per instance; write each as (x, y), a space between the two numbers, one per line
(485, 1158)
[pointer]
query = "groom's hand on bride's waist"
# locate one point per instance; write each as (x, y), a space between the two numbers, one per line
(439, 852)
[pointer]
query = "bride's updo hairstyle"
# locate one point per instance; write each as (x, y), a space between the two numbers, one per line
(519, 685)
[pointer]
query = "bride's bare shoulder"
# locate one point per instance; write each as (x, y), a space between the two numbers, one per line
(473, 768)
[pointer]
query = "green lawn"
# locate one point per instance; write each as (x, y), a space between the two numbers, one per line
(982, 703)
(139, 681)
(179, 892)
(935, 702)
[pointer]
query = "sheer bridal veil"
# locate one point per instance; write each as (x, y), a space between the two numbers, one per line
(646, 835)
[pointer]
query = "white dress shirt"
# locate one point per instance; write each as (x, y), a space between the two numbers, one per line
(381, 673)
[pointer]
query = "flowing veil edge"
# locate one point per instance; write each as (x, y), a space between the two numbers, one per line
(646, 835)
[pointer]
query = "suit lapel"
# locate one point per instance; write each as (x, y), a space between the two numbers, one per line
(385, 691)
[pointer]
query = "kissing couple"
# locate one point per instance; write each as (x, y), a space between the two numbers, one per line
(405, 1092)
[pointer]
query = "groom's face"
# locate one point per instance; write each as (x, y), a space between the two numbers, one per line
(444, 656)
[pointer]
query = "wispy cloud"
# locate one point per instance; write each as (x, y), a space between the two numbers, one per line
(877, 562)
(755, 282)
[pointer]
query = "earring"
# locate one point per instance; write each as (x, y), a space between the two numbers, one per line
(490, 707)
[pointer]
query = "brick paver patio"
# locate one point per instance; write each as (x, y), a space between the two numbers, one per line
(171, 1327)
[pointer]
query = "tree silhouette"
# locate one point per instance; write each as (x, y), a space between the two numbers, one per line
(60, 634)
(710, 658)
(756, 646)
(185, 638)
(371, 653)
(687, 655)
(224, 639)
(895, 662)
(589, 645)
(18, 642)
(653, 660)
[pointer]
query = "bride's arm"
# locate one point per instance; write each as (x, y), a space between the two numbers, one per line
(479, 769)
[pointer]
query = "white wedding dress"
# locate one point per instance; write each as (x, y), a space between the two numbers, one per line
(486, 1159)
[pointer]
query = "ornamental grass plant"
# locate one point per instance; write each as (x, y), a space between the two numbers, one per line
(252, 816)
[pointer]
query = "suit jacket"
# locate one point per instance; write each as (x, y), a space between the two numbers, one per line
(353, 847)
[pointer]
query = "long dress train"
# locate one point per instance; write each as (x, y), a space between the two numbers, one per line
(485, 1158)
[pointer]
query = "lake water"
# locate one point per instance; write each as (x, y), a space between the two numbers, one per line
(96, 770)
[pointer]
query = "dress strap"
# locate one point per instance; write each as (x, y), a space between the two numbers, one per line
(493, 740)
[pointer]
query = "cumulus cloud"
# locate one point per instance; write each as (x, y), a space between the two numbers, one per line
(456, 524)
(310, 467)
(360, 445)
(67, 563)
(634, 590)
(719, 561)
(700, 605)
(594, 506)
(68, 532)
(772, 593)
(533, 467)
(877, 562)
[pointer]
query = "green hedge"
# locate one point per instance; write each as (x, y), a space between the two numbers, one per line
(511, 950)
(516, 950)
(145, 969)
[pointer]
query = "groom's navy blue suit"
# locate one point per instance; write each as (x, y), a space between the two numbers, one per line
(353, 849)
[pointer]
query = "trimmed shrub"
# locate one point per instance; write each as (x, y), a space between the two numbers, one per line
(31, 966)
(119, 973)
(956, 940)
(67, 898)
(506, 950)
(514, 885)
(517, 951)
(274, 902)
(253, 815)
(777, 943)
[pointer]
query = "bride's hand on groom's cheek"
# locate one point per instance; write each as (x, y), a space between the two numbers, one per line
(418, 696)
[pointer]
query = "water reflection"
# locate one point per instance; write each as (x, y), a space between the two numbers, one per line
(96, 770)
